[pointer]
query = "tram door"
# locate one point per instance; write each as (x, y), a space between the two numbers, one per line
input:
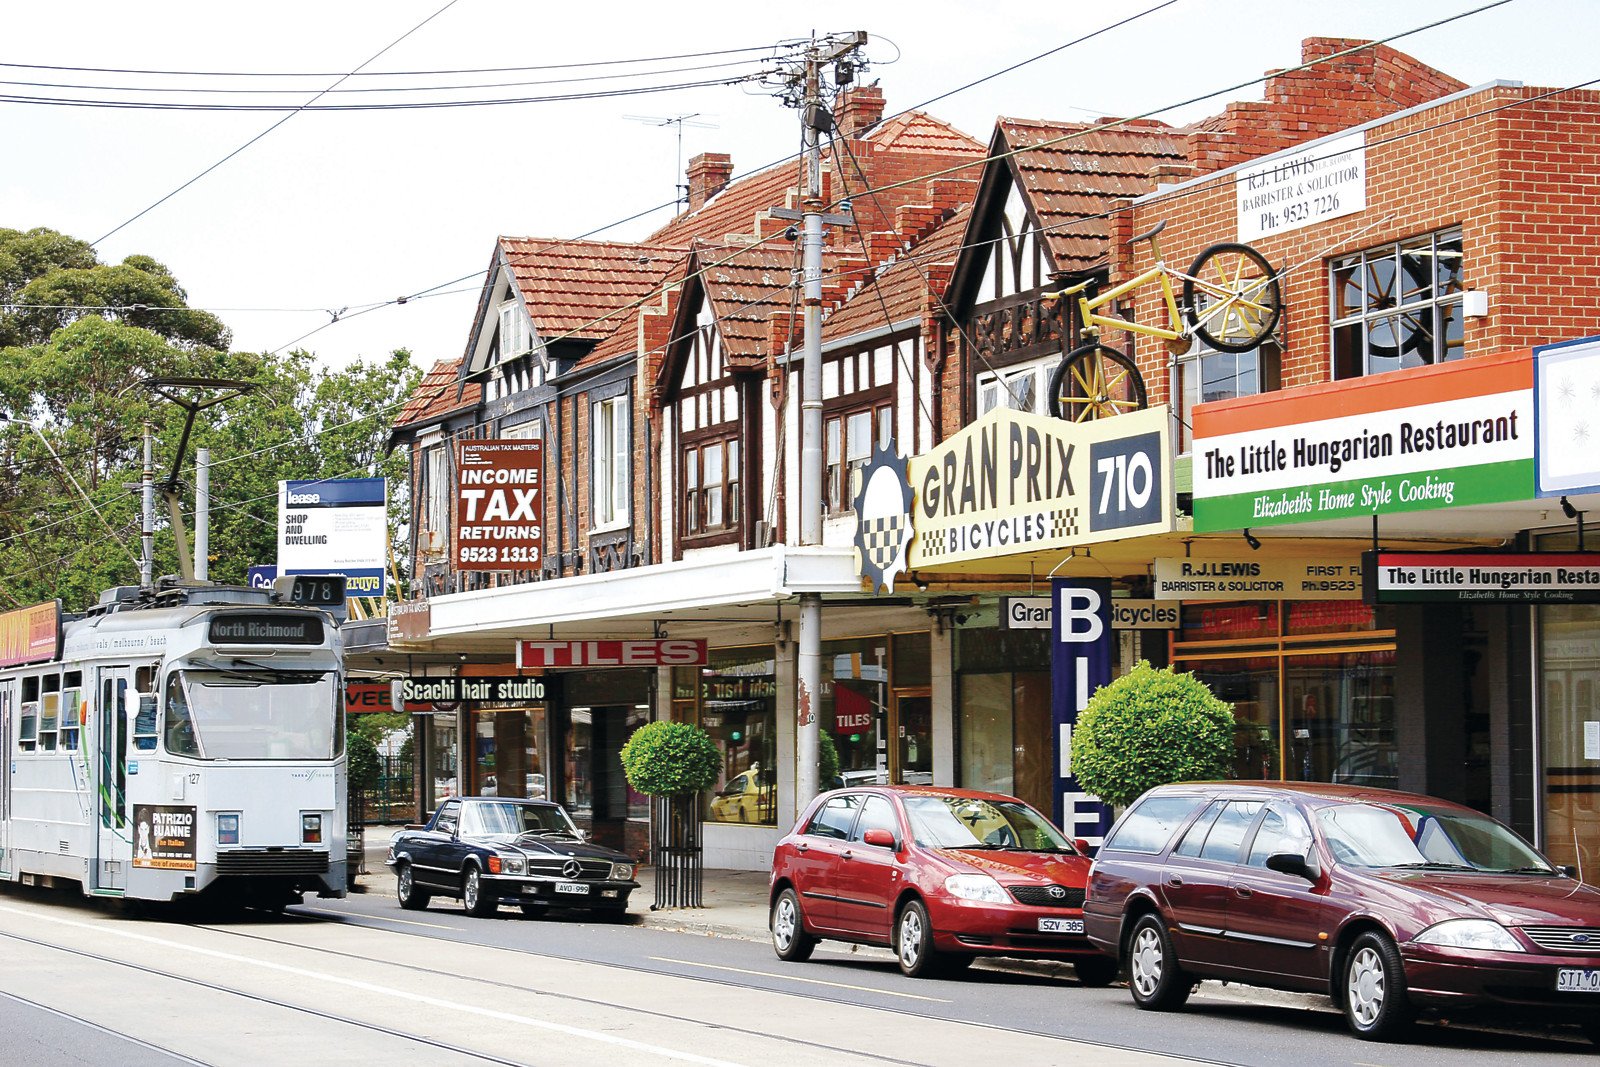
(5, 777)
(115, 850)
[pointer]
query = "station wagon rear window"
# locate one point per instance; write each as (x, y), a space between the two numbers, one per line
(1148, 827)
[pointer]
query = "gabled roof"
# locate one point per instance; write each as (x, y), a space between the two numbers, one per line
(570, 288)
(441, 392)
(898, 291)
(624, 336)
(1072, 180)
(918, 131)
(744, 289)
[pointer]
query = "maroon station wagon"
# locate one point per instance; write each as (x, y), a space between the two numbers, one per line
(1388, 902)
(940, 875)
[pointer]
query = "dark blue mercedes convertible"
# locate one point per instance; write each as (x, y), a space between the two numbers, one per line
(488, 850)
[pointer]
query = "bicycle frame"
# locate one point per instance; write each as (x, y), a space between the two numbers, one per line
(1092, 322)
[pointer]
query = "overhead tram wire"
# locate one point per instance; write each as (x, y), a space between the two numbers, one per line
(873, 191)
(375, 56)
(236, 91)
(401, 73)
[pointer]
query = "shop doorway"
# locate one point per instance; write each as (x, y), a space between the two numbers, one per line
(597, 792)
(911, 726)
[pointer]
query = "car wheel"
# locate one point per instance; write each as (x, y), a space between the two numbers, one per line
(474, 898)
(913, 942)
(1154, 977)
(411, 898)
(1374, 989)
(789, 938)
(1095, 971)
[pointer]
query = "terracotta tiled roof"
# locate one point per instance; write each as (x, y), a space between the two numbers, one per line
(903, 283)
(934, 144)
(1080, 176)
(439, 393)
(624, 337)
(744, 289)
(570, 287)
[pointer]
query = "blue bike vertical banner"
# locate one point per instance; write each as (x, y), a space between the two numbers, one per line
(1081, 644)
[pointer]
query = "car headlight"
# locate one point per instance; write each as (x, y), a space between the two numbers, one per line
(976, 887)
(622, 872)
(1470, 933)
(513, 864)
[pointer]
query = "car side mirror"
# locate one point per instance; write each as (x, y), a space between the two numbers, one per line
(1569, 870)
(1083, 847)
(416, 826)
(1291, 863)
(879, 838)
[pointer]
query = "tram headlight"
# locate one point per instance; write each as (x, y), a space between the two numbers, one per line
(311, 828)
(228, 828)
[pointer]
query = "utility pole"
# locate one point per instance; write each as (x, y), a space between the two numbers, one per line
(815, 117)
(202, 514)
(147, 513)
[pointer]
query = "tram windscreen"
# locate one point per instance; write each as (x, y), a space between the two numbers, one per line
(262, 714)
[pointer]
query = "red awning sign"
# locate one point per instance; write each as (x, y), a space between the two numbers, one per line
(667, 652)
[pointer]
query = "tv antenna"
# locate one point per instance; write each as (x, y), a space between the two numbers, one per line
(680, 121)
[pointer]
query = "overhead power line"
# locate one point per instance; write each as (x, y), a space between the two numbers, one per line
(368, 62)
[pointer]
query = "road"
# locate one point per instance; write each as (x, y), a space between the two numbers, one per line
(361, 981)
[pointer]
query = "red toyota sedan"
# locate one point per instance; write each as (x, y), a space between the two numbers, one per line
(1388, 902)
(942, 876)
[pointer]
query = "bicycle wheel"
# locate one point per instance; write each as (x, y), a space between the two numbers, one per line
(1095, 382)
(1231, 297)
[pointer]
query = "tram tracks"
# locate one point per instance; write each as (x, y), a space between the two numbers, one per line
(219, 987)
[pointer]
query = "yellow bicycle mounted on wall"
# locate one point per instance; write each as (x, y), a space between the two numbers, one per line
(1231, 301)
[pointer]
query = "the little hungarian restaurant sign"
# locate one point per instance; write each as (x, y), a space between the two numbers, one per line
(1498, 578)
(1435, 437)
(1014, 482)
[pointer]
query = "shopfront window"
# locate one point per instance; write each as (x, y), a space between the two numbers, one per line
(1569, 672)
(1003, 690)
(508, 751)
(1311, 684)
(855, 707)
(738, 708)
(442, 762)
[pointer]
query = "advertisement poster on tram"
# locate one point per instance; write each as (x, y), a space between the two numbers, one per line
(163, 837)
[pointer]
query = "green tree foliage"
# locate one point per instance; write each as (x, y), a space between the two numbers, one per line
(1148, 728)
(365, 768)
(827, 759)
(669, 758)
(75, 418)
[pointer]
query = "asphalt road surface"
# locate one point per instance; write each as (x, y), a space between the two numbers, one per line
(359, 980)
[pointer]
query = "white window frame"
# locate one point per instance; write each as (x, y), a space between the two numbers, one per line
(996, 389)
(514, 337)
(1185, 381)
(436, 505)
(609, 495)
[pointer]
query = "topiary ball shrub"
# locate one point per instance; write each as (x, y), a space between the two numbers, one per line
(1148, 728)
(669, 758)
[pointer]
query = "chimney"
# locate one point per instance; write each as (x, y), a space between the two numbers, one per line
(858, 109)
(707, 174)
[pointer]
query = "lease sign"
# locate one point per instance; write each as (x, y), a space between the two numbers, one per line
(498, 505)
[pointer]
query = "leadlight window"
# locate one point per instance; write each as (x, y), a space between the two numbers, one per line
(1398, 305)
(848, 438)
(711, 477)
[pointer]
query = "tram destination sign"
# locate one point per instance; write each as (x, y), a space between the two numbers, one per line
(1484, 578)
(242, 629)
(499, 513)
(451, 690)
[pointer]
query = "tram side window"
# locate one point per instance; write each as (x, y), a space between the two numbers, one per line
(28, 721)
(144, 724)
(180, 727)
(71, 709)
(49, 711)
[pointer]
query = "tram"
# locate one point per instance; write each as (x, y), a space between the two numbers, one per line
(177, 739)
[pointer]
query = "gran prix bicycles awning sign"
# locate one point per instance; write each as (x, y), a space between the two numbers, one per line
(1436, 437)
(1015, 482)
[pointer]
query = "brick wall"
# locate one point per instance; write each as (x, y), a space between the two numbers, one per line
(1521, 182)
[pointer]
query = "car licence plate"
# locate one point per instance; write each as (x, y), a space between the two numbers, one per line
(572, 887)
(1578, 980)
(1061, 926)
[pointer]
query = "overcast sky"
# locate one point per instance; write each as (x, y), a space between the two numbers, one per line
(341, 209)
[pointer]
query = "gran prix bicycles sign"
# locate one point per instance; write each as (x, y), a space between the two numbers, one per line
(1014, 483)
(1447, 436)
